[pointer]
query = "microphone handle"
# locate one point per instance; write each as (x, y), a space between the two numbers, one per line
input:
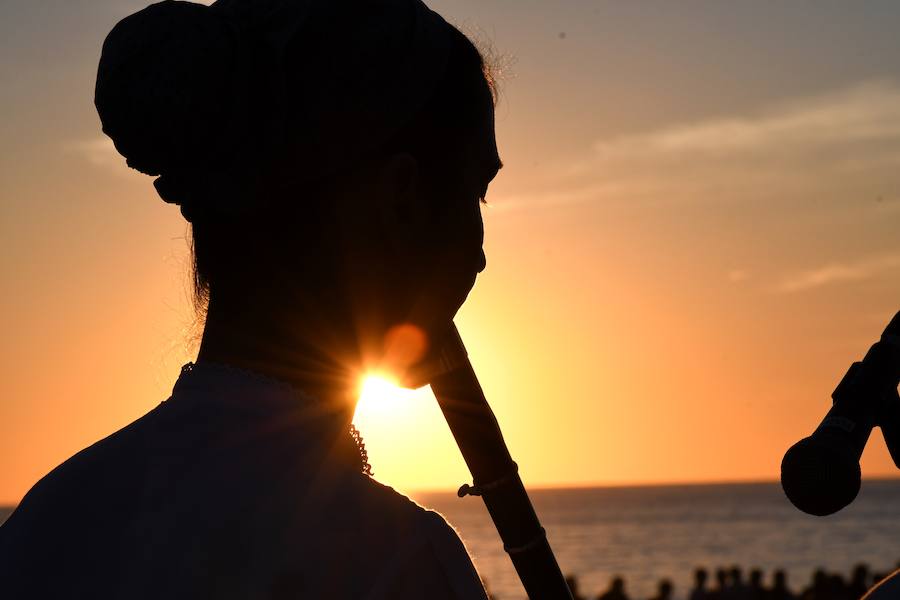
(863, 399)
(850, 419)
(494, 474)
(889, 417)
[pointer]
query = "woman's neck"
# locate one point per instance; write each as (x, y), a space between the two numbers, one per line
(306, 354)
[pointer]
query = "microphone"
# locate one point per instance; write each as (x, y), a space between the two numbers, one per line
(820, 474)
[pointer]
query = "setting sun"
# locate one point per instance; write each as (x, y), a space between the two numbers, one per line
(406, 436)
(381, 401)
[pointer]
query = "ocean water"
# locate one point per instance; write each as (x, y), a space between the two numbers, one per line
(646, 533)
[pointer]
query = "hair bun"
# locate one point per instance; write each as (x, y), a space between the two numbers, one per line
(163, 86)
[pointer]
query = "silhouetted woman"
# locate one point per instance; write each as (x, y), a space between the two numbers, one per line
(330, 157)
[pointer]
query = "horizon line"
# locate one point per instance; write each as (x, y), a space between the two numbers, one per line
(644, 484)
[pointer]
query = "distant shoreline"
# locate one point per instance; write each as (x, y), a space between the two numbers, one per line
(640, 485)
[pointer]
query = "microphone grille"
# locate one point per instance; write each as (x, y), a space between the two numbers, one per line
(820, 476)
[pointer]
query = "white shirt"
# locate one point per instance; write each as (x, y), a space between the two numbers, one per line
(886, 589)
(227, 491)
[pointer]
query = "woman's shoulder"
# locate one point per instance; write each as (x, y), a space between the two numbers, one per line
(404, 513)
(407, 550)
(887, 588)
(371, 506)
(102, 470)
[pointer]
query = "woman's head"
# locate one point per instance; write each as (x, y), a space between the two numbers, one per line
(348, 187)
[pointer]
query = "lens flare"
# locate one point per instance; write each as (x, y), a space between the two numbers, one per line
(404, 345)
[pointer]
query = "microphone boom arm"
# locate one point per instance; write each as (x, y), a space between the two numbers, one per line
(876, 376)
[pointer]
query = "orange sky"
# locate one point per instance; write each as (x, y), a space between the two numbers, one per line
(684, 254)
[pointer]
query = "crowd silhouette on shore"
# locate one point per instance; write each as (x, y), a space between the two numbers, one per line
(730, 584)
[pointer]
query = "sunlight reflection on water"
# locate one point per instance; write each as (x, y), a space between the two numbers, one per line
(646, 533)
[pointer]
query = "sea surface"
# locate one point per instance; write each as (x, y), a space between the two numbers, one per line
(647, 533)
(650, 532)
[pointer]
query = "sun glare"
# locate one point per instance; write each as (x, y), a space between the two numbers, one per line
(381, 401)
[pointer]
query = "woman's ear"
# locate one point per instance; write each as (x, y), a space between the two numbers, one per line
(401, 206)
(400, 178)
(379, 207)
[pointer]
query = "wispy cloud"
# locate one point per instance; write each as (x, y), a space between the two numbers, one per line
(738, 275)
(864, 113)
(838, 272)
(837, 142)
(99, 152)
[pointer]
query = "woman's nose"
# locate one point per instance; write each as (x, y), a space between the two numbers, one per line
(483, 262)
